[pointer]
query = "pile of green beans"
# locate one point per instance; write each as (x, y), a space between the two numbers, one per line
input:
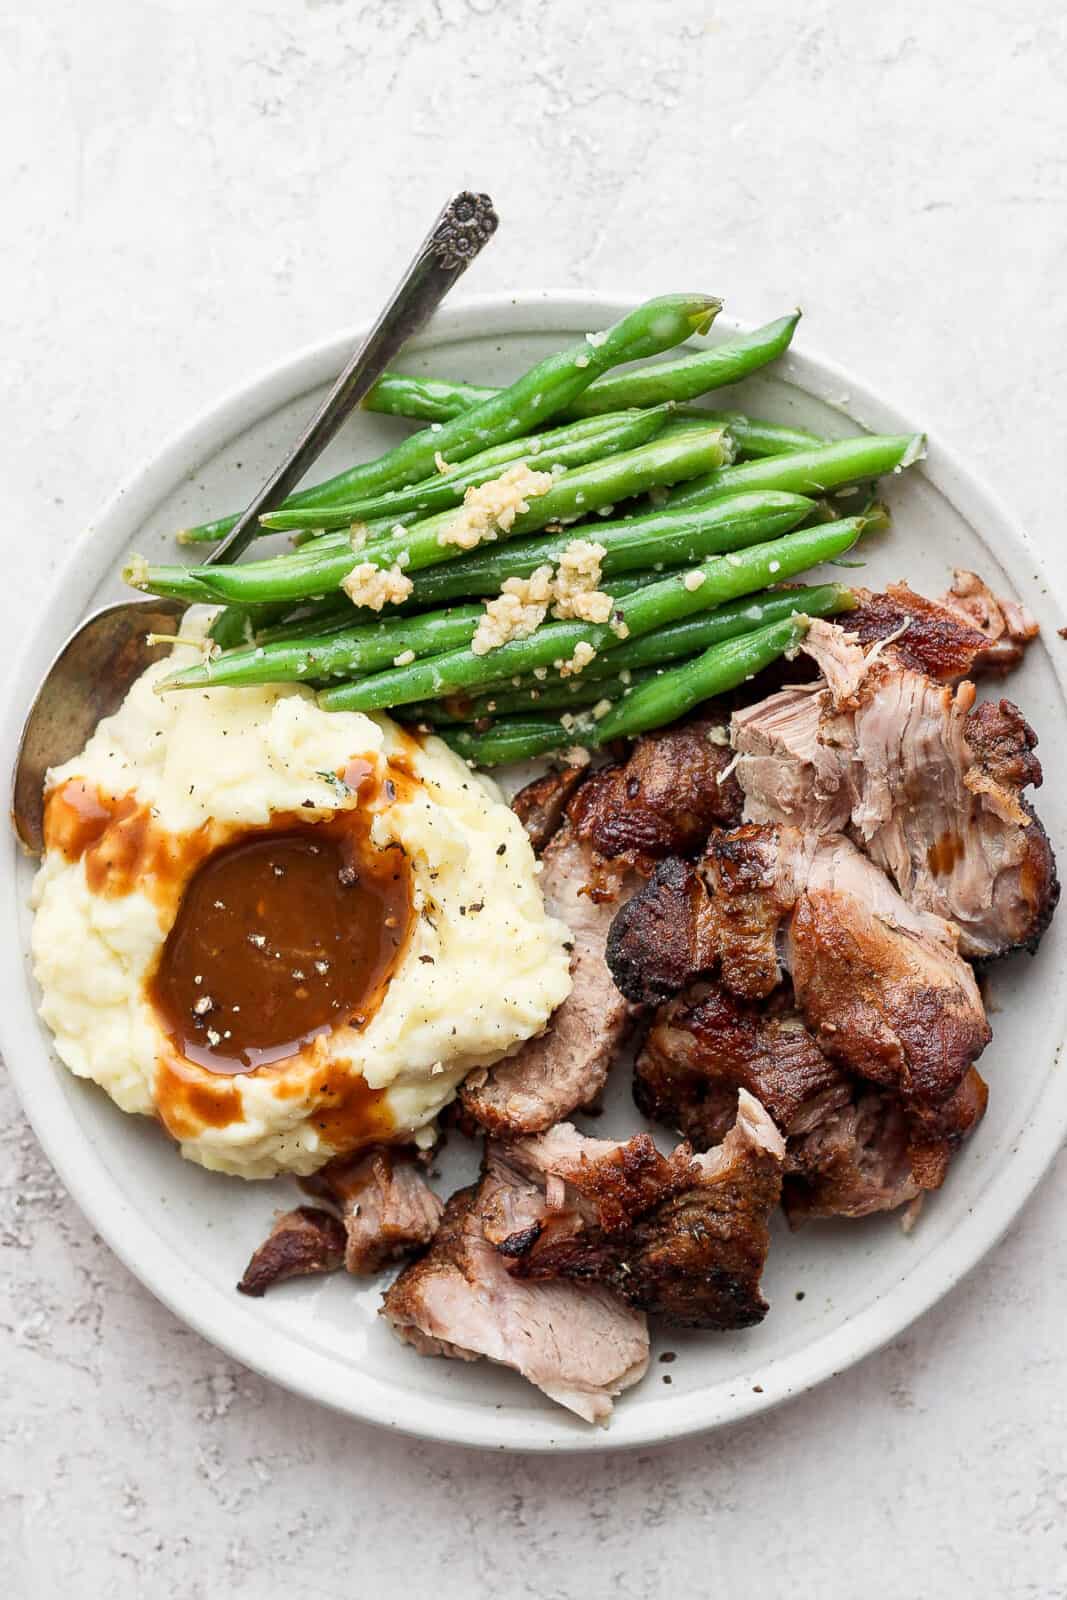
(694, 520)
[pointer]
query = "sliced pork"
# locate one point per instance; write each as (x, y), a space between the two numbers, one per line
(302, 1243)
(706, 1044)
(1007, 626)
(542, 804)
(683, 1236)
(851, 1148)
(567, 1066)
(664, 800)
(870, 1155)
(580, 1344)
(387, 1208)
(930, 786)
(880, 985)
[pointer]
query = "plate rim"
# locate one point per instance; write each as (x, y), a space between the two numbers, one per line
(270, 1351)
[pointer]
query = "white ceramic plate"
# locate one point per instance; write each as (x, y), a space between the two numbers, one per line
(837, 1291)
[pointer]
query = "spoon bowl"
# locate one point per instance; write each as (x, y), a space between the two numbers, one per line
(92, 673)
(88, 680)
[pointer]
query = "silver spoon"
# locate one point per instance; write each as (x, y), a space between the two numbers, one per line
(92, 673)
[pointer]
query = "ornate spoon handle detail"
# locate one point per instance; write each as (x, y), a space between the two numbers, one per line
(464, 227)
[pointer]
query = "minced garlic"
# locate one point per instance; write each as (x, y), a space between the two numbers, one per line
(358, 534)
(577, 756)
(491, 508)
(135, 572)
(577, 586)
(375, 587)
(694, 580)
(524, 603)
(440, 463)
(404, 659)
(583, 654)
(517, 611)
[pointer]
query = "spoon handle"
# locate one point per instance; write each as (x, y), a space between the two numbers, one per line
(466, 224)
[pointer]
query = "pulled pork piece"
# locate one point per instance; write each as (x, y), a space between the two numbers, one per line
(851, 1149)
(567, 1066)
(880, 985)
(1006, 624)
(580, 1344)
(928, 636)
(723, 913)
(542, 804)
(664, 800)
(930, 786)
(301, 1243)
(869, 1155)
(663, 935)
(683, 1236)
(388, 1209)
(706, 1044)
(597, 831)
(968, 631)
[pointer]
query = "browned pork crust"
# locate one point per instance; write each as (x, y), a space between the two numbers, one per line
(387, 1208)
(706, 1044)
(880, 985)
(542, 804)
(301, 1243)
(684, 1236)
(580, 1344)
(664, 800)
(567, 1066)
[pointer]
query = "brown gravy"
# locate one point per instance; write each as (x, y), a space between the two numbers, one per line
(280, 936)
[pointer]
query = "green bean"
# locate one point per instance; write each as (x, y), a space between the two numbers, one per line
(501, 414)
(728, 621)
(808, 471)
(721, 578)
(424, 399)
(753, 436)
(572, 446)
(521, 739)
(544, 391)
(318, 657)
(179, 583)
(333, 612)
(238, 625)
(628, 543)
(309, 572)
(662, 698)
(671, 643)
(683, 379)
(560, 694)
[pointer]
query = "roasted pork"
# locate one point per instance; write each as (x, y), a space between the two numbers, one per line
(930, 786)
(387, 1208)
(302, 1243)
(880, 985)
(683, 1236)
(567, 1066)
(580, 1344)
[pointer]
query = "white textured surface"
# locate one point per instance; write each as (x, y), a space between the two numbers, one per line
(189, 193)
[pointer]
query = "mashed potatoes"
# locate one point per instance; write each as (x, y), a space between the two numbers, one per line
(172, 778)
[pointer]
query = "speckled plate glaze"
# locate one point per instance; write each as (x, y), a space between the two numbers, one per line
(837, 1291)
